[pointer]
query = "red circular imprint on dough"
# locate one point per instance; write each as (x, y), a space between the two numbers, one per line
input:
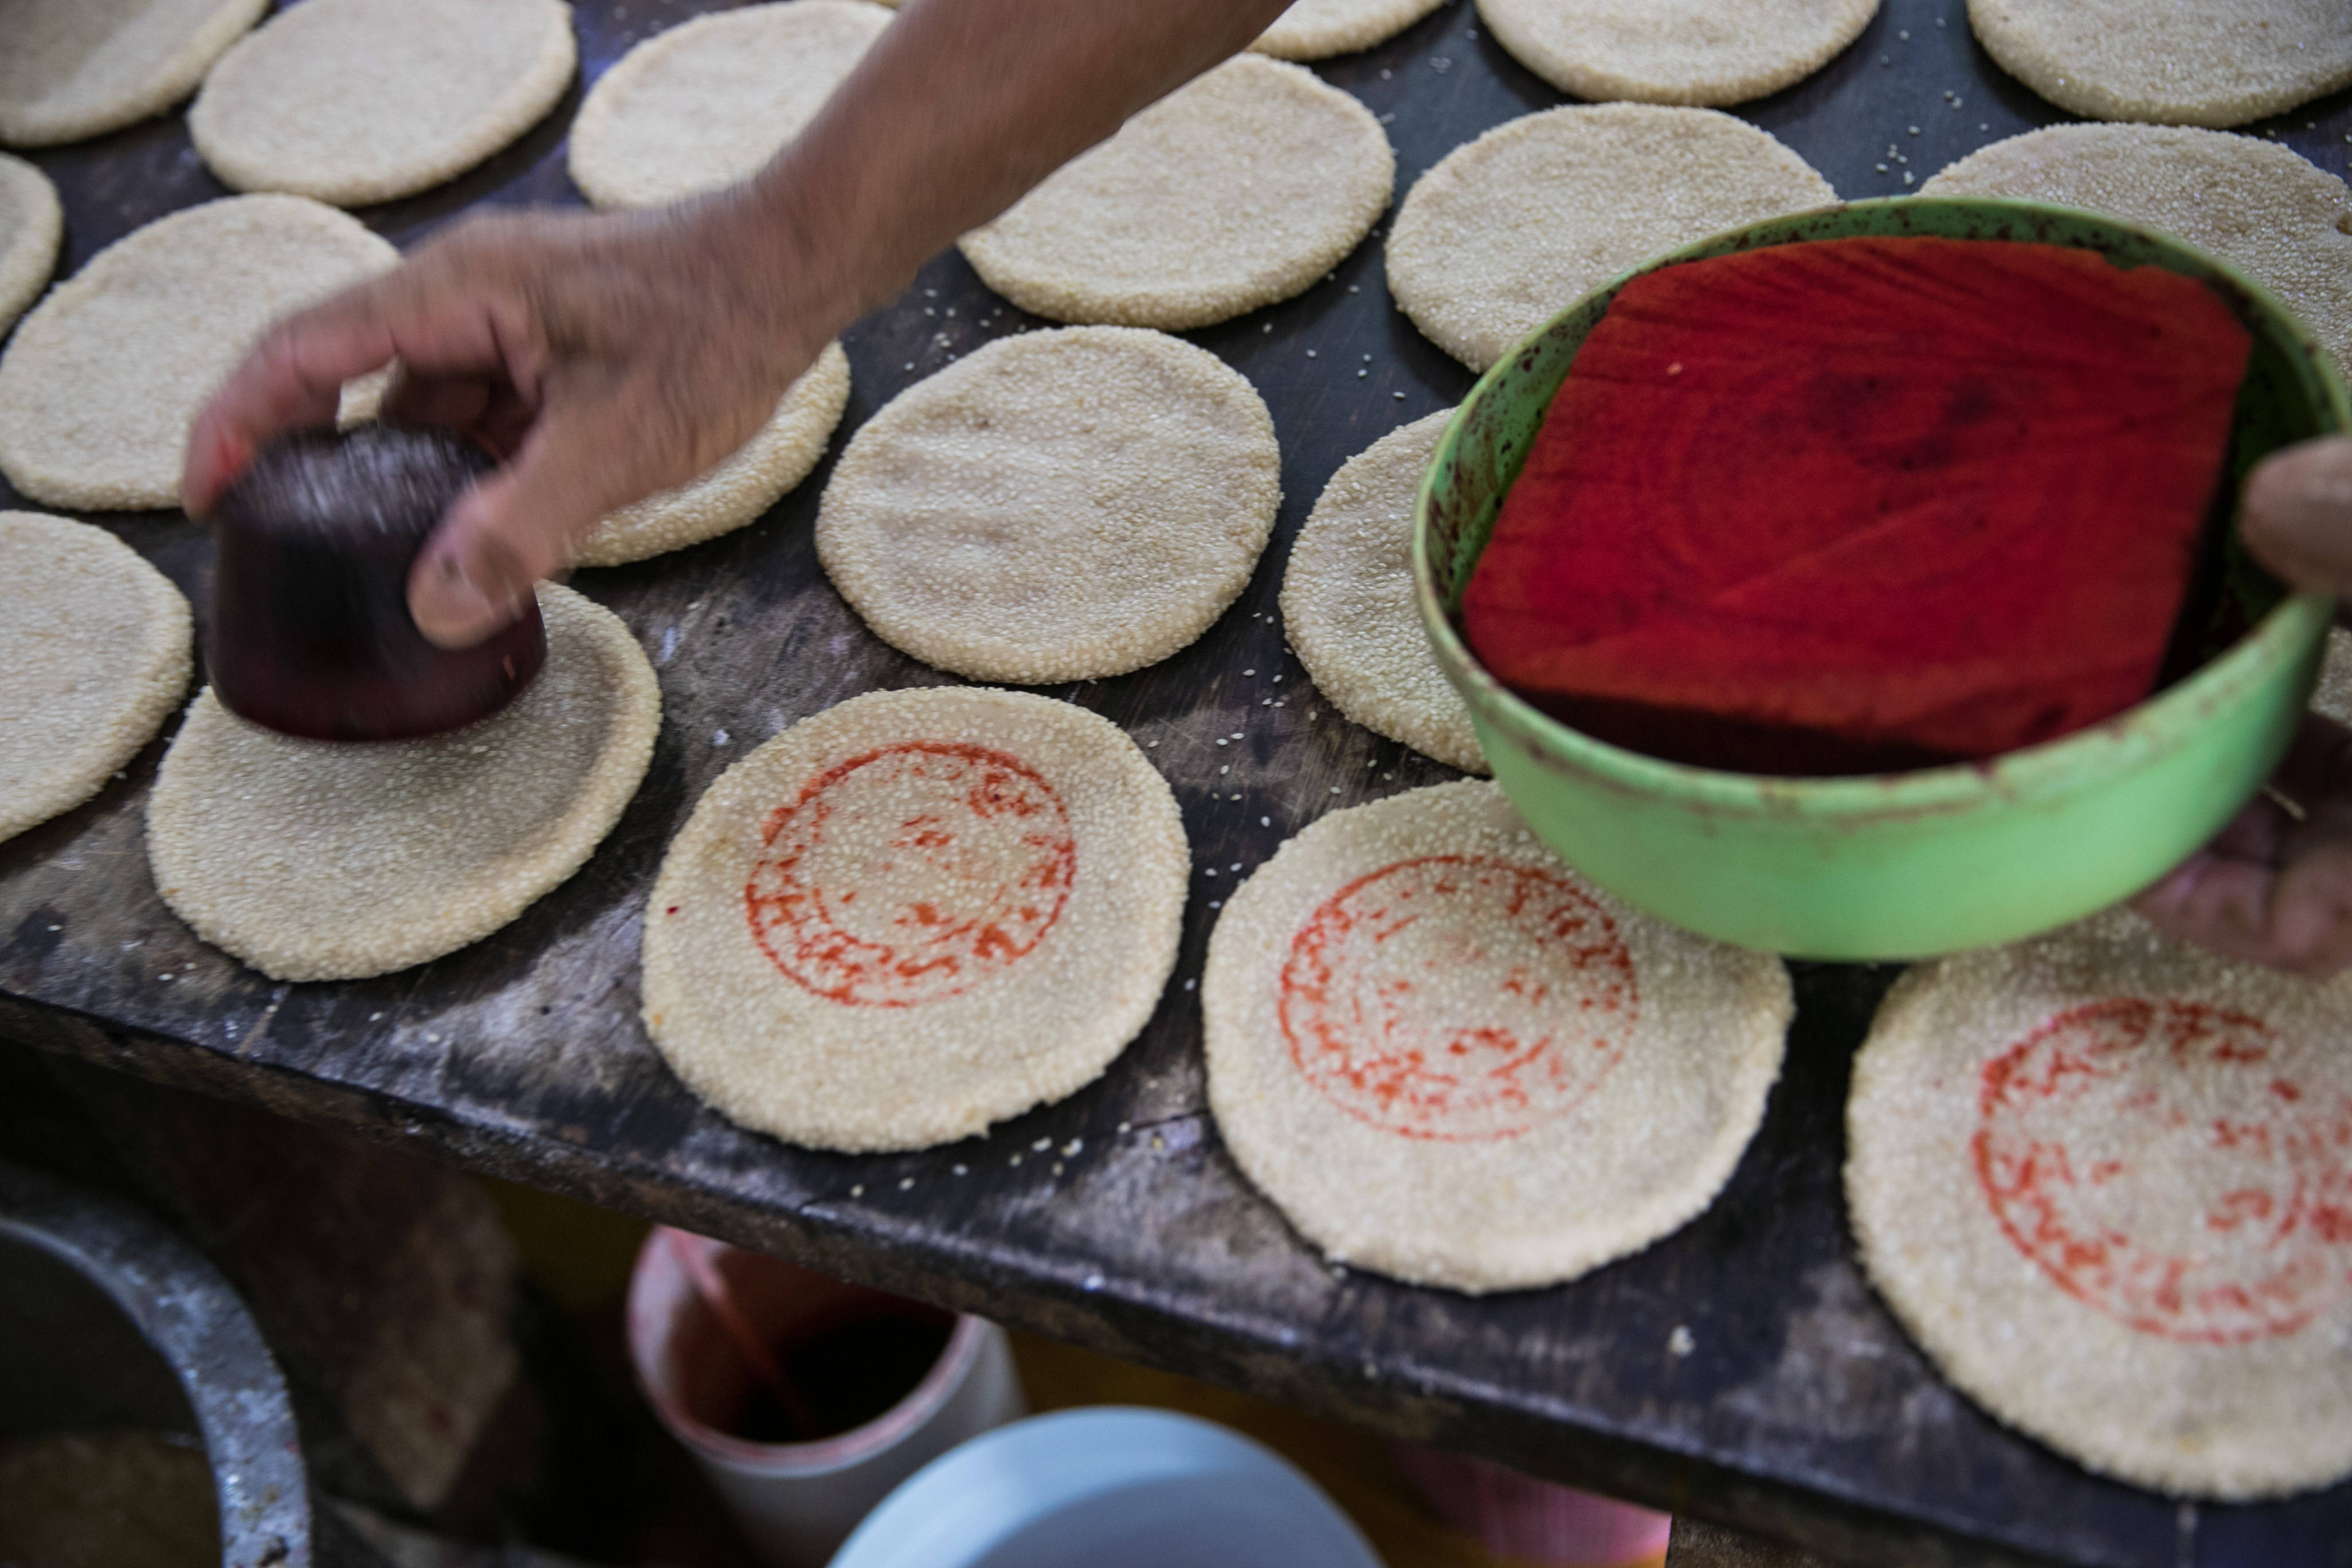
(975, 845)
(2074, 1119)
(1457, 997)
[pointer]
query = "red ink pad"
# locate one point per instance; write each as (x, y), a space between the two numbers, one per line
(1863, 505)
(309, 632)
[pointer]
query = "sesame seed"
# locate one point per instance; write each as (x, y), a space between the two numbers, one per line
(859, 1191)
(1398, 395)
(1907, 177)
(1265, 822)
(906, 1184)
(1310, 353)
(1250, 671)
(963, 1169)
(1191, 984)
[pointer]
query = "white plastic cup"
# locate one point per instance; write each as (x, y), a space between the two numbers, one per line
(797, 1501)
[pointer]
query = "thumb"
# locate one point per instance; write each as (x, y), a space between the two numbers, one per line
(2299, 514)
(516, 525)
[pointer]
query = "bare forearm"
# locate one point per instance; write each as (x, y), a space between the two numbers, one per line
(957, 110)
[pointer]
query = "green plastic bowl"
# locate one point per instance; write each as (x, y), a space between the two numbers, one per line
(1895, 864)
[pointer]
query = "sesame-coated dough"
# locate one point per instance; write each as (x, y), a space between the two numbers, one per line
(1317, 29)
(706, 103)
(1056, 506)
(2100, 1177)
(2178, 62)
(1507, 232)
(322, 860)
(94, 655)
(2252, 204)
(1448, 1058)
(913, 915)
(353, 101)
(1676, 51)
(1237, 190)
(2332, 696)
(1348, 604)
(100, 383)
(32, 225)
(777, 456)
(77, 68)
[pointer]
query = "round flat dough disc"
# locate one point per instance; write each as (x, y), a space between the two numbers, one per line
(315, 860)
(740, 489)
(1316, 29)
(708, 103)
(2332, 696)
(76, 67)
(1235, 191)
(100, 383)
(1504, 234)
(32, 225)
(913, 915)
(94, 654)
(2179, 62)
(1676, 51)
(353, 101)
(1055, 506)
(2105, 1180)
(1447, 1057)
(1348, 604)
(2249, 202)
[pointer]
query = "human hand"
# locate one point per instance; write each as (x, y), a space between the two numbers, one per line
(604, 357)
(2275, 886)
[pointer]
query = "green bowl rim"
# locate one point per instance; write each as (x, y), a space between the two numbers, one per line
(2141, 734)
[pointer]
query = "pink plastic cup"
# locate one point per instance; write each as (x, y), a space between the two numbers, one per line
(796, 1501)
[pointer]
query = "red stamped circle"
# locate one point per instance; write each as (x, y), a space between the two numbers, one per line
(910, 873)
(2246, 1235)
(1457, 997)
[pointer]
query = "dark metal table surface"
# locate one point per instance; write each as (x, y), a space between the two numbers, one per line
(1116, 1219)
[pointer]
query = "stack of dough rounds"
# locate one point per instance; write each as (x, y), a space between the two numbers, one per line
(1676, 51)
(1347, 603)
(32, 224)
(76, 67)
(93, 657)
(99, 385)
(778, 456)
(1056, 506)
(353, 101)
(913, 915)
(1448, 1058)
(317, 860)
(2180, 62)
(1314, 29)
(1507, 232)
(2105, 1180)
(1238, 190)
(708, 103)
(2250, 204)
